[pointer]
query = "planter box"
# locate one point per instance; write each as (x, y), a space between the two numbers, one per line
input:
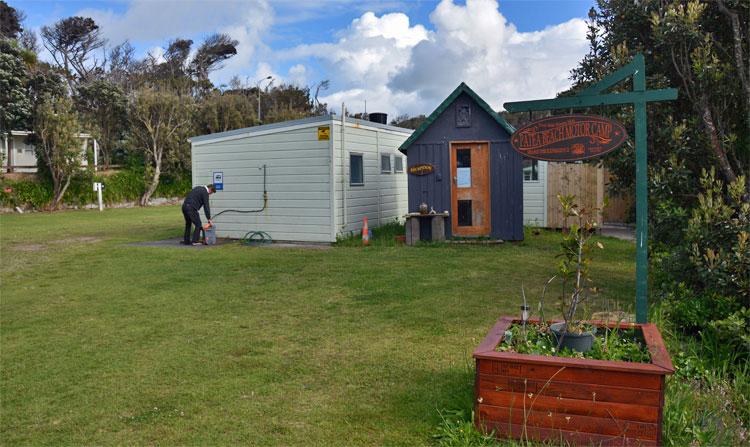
(576, 401)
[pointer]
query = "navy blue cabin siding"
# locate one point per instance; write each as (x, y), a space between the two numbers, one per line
(506, 185)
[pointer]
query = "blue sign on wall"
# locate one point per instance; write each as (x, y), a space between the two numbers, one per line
(219, 180)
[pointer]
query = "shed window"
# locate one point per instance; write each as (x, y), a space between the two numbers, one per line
(464, 213)
(530, 170)
(356, 170)
(398, 163)
(385, 164)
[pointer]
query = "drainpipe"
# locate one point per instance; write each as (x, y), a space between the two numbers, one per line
(10, 149)
(332, 182)
(343, 167)
(380, 175)
(5, 148)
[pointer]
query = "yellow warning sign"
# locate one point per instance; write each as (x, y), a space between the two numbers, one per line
(324, 133)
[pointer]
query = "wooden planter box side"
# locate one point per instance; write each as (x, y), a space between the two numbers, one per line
(579, 401)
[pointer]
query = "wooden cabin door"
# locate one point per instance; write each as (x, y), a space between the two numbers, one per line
(470, 189)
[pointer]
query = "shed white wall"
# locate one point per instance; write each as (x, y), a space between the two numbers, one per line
(383, 197)
(535, 199)
(298, 183)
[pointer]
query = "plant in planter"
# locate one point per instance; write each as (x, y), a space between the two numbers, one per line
(530, 385)
(573, 271)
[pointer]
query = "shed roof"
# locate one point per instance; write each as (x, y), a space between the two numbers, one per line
(462, 88)
(281, 126)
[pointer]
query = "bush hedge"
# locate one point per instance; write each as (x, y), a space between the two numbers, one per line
(123, 186)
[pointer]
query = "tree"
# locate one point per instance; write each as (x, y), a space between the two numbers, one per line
(285, 102)
(157, 118)
(121, 66)
(697, 47)
(57, 144)
(10, 21)
(16, 108)
(72, 43)
(408, 122)
(215, 49)
(220, 112)
(103, 106)
(320, 109)
(707, 80)
(44, 83)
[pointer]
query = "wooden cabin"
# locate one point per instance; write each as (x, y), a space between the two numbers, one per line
(461, 161)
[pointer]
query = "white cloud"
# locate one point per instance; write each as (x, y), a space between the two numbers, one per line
(394, 65)
(298, 74)
(365, 57)
(147, 20)
(400, 68)
(475, 44)
(249, 35)
(155, 23)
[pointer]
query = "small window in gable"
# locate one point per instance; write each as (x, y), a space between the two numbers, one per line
(385, 164)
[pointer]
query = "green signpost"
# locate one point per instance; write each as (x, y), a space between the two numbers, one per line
(594, 96)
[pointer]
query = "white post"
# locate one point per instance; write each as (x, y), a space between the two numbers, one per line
(99, 196)
(96, 155)
(98, 188)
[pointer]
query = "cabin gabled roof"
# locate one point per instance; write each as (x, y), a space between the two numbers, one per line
(462, 88)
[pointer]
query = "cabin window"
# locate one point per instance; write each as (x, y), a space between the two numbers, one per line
(463, 168)
(398, 163)
(356, 170)
(464, 213)
(385, 164)
(530, 170)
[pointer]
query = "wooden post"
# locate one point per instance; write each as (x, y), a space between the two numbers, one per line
(438, 227)
(600, 195)
(593, 96)
(641, 196)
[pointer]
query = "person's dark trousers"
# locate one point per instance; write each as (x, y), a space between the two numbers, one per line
(191, 218)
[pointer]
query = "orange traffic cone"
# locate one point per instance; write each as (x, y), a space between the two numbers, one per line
(365, 233)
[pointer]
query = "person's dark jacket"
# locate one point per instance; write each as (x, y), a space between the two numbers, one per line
(198, 198)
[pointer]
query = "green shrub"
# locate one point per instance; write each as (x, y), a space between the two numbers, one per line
(36, 194)
(123, 186)
(704, 280)
(174, 186)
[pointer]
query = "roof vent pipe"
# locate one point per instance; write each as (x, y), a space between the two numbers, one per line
(381, 118)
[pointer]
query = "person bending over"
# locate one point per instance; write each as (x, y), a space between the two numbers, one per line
(195, 200)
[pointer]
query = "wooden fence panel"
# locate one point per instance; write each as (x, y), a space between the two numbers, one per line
(589, 184)
(585, 181)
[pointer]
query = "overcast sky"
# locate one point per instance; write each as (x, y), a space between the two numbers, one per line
(399, 56)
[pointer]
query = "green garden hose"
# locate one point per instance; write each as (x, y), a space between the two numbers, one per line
(255, 238)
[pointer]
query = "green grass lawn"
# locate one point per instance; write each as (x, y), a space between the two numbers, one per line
(102, 342)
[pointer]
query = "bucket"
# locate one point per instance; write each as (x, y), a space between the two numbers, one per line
(210, 233)
(577, 342)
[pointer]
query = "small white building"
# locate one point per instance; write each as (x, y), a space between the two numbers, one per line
(321, 178)
(534, 193)
(20, 156)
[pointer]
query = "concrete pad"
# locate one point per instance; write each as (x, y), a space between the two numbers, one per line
(302, 245)
(176, 243)
(624, 232)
